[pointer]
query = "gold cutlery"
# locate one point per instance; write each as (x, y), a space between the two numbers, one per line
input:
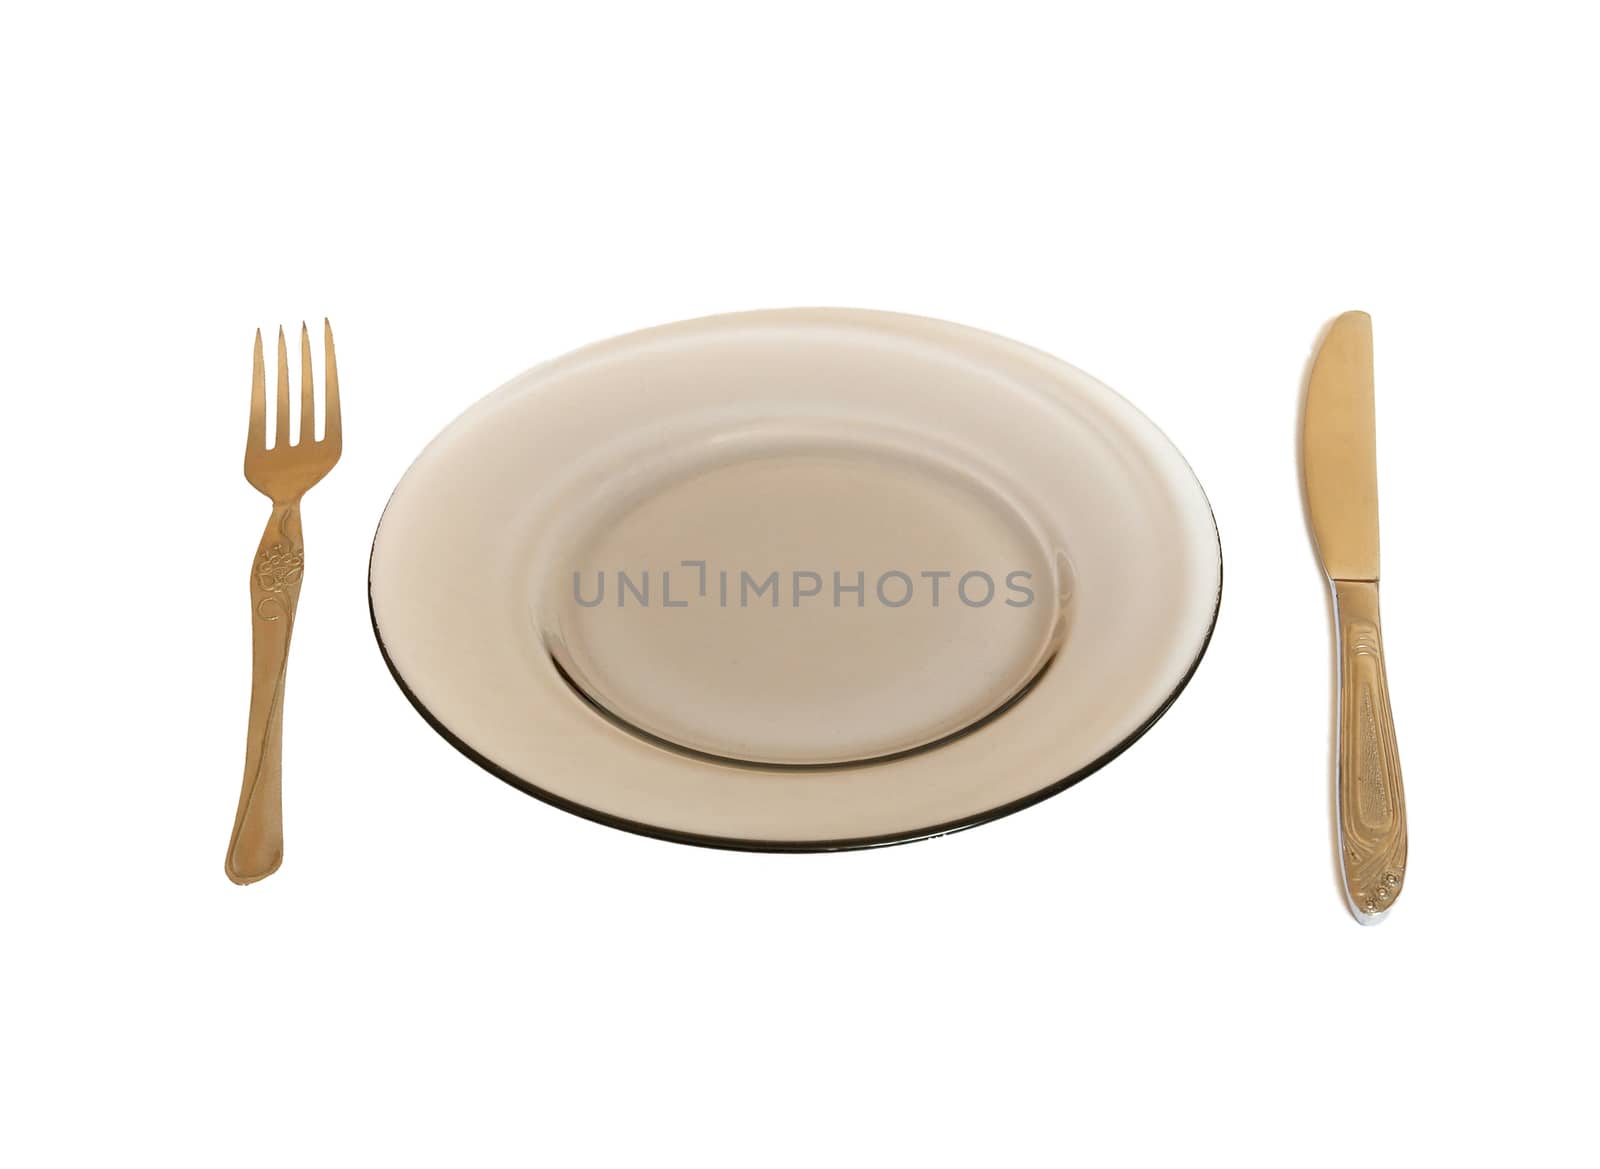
(1340, 466)
(283, 473)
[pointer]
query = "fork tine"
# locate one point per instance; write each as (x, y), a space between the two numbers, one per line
(281, 435)
(258, 402)
(330, 374)
(308, 412)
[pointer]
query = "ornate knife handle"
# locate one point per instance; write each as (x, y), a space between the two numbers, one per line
(256, 848)
(1372, 805)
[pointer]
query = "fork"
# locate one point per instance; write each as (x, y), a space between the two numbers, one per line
(283, 473)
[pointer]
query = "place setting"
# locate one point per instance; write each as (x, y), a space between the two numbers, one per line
(811, 580)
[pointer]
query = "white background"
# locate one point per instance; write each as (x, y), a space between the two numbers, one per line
(1155, 968)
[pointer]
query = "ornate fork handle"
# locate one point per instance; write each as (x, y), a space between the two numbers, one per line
(256, 847)
(1372, 804)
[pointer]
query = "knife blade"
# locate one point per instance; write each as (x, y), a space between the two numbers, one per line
(1340, 470)
(1340, 448)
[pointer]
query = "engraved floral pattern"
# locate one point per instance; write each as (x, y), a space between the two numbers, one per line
(276, 579)
(279, 566)
(1377, 901)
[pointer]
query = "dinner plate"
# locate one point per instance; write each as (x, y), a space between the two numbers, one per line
(798, 579)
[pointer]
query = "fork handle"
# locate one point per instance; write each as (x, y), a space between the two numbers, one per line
(1372, 803)
(256, 848)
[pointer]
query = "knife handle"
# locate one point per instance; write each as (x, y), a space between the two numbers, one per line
(1372, 805)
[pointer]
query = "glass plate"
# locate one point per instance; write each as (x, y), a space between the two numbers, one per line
(801, 579)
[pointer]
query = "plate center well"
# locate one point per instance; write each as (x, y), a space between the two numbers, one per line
(803, 606)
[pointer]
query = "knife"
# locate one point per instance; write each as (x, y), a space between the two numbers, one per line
(1339, 462)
